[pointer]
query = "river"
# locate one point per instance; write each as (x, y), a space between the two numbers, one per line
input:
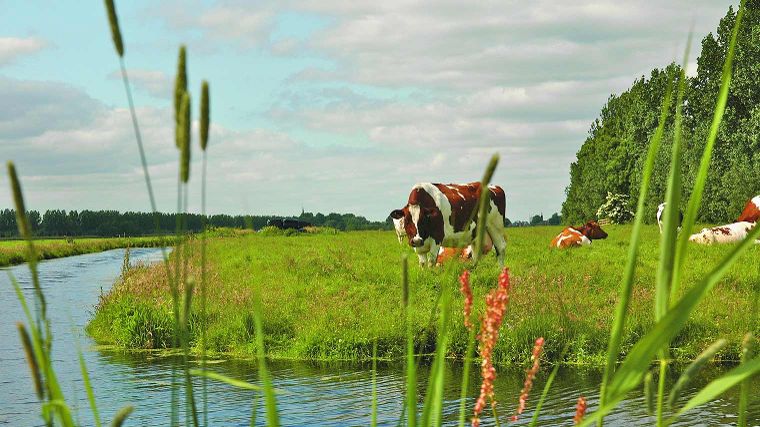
(314, 393)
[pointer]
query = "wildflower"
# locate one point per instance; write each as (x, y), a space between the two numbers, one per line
(580, 410)
(496, 306)
(464, 279)
(530, 375)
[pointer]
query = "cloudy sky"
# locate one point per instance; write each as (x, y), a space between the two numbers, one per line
(333, 106)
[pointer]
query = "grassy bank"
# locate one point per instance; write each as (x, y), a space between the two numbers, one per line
(12, 252)
(327, 296)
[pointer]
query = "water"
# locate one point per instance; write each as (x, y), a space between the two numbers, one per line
(313, 393)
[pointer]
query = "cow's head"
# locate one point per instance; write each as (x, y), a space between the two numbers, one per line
(420, 223)
(398, 216)
(592, 230)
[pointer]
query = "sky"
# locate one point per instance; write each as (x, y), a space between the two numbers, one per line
(327, 106)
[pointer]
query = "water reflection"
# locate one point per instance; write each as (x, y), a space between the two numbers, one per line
(313, 393)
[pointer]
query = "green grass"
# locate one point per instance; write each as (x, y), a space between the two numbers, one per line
(12, 252)
(328, 296)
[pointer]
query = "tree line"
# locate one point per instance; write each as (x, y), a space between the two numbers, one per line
(109, 223)
(612, 157)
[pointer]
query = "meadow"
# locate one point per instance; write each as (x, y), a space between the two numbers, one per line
(329, 296)
(12, 252)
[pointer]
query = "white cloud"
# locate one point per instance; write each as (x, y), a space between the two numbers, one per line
(152, 82)
(11, 48)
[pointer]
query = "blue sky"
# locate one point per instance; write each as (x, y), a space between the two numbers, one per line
(328, 105)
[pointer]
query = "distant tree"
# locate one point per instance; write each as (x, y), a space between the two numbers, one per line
(555, 219)
(537, 220)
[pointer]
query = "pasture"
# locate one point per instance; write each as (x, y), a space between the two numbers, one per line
(328, 296)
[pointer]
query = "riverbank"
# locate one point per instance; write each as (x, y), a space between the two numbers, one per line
(327, 297)
(13, 252)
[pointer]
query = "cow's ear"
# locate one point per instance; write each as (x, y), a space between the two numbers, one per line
(397, 214)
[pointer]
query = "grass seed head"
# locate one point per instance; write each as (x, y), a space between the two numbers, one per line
(180, 85)
(113, 21)
(121, 416)
(205, 115)
(183, 127)
(18, 199)
(30, 359)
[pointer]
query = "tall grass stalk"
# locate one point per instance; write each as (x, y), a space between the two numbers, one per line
(273, 419)
(748, 350)
(621, 310)
(483, 202)
(373, 420)
(663, 286)
(699, 184)
(411, 368)
(204, 128)
(88, 388)
(467, 364)
(433, 403)
(547, 386)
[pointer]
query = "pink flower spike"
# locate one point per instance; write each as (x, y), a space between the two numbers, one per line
(496, 307)
(580, 410)
(530, 375)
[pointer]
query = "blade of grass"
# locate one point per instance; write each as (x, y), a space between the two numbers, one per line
(88, 388)
(466, 376)
(621, 310)
(411, 367)
(638, 359)
(433, 403)
(225, 379)
(748, 345)
(722, 384)
(693, 369)
(373, 421)
(483, 202)
(547, 386)
(699, 184)
(664, 287)
(270, 401)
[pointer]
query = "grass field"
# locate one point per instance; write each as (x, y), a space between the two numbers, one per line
(14, 251)
(328, 296)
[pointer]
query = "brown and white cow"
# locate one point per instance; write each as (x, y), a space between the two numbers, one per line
(578, 236)
(751, 212)
(729, 233)
(439, 215)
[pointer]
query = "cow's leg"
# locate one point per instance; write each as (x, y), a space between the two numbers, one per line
(433, 254)
(495, 229)
(423, 259)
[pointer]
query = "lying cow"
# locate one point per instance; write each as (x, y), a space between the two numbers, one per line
(751, 212)
(447, 254)
(661, 211)
(445, 215)
(729, 233)
(578, 236)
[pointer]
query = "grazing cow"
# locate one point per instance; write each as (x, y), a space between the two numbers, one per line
(729, 233)
(661, 210)
(440, 215)
(751, 210)
(578, 236)
(287, 224)
(444, 253)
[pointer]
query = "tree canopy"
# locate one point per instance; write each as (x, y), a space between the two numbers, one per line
(611, 159)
